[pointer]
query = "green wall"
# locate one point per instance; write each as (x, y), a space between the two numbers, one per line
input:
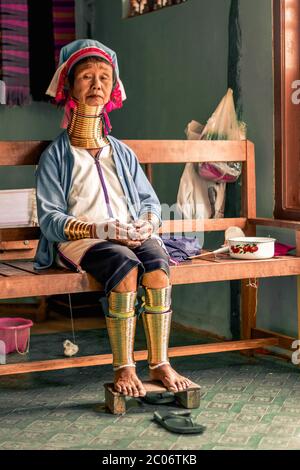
(174, 67)
(37, 121)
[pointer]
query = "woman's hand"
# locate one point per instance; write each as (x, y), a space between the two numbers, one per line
(144, 229)
(118, 232)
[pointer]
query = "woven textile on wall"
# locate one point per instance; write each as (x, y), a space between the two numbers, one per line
(63, 24)
(32, 33)
(14, 50)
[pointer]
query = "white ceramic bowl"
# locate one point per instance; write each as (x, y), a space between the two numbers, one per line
(251, 247)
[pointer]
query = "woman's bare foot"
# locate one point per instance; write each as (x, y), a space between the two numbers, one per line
(127, 382)
(170, 378)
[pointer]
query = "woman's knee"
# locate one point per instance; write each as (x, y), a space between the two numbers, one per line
(128, 283)
(156, 279)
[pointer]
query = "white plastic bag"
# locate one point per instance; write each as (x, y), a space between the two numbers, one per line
(194, 130)
(223, 125)
(198, 198)
(204, 184)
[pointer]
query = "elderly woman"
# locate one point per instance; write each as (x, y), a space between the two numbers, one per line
(98, 212)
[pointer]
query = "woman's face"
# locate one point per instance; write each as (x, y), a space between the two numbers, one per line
(93, 83)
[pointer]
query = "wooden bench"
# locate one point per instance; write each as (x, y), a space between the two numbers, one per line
(18, 244)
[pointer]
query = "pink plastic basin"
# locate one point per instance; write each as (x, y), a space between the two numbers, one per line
(15, 333)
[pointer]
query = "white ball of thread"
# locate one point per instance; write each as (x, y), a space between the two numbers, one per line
(70, 349)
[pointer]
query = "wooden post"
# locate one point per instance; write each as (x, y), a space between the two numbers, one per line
(249, 288)
(249, 183)
(297, 233)
(249, 307)
(41, 313)
(149, 172)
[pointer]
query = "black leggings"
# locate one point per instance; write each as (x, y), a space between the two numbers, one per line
(110, 262)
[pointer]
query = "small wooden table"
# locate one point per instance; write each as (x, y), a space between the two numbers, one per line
(115, 402)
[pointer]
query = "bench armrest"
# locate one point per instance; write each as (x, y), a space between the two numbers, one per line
(289, 224)
(19, 233)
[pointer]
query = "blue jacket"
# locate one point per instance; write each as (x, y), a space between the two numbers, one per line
(53, 180)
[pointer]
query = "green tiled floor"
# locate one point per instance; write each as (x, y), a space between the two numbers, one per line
(246, 403)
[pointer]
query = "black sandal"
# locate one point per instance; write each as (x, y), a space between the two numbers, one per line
(179, 422)
(162, 398)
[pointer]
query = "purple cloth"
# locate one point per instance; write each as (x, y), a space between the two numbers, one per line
(181, 248)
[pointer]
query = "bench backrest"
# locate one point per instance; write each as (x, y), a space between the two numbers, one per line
(21, 242)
